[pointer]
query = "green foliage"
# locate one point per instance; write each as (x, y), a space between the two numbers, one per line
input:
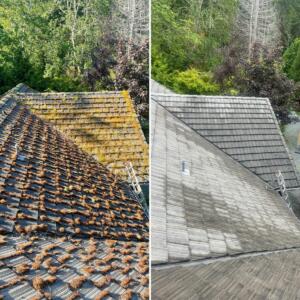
(291, 59)
(193, 81)
(289, 12)
(189, 35)
(57, 45)
(263, 77)
(46, 44)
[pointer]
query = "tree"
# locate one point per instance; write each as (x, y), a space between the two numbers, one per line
(194, 32)
(262, 76)
(291, 60)
(132, 74)
(74, 45)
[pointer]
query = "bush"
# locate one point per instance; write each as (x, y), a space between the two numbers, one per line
(195, 82)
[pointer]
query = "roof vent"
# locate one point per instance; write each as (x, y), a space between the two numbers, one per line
(185, 168)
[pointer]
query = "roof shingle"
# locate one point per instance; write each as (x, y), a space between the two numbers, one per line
(217, 208)
(103, 124)
(243, 127)
(64, 218)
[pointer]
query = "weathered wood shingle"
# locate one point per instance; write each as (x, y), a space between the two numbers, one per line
(103, 124)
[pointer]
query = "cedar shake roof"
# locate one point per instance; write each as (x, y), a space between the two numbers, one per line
(244, 128)
(103, 124)
(69, 227)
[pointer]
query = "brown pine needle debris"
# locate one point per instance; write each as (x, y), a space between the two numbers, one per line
(71, 248)
(74, 295)
(53, 270)
(127, 259)
(38, 283)
(109, 257)
(63, 258)
(144, 280)
(125, 251)
(110, 243)
(47, 263)
(2, 240)
(143, 269)
(106, 269)
(50, 279)
(90, 217)
(127, 295)
(145, 294)
(87, 258)
(101, 295)
(103, 281)
(125, 282)
(25, 245)
(77, 282)
(23, 268)
(88, 270)
(126, 269)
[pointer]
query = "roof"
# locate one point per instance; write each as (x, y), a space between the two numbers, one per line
(157, 88)
(22, 88)
(70, 268)
(103, 124)
(52, 192)
(216, 207)
(266, 276)
(206, 206)
(243, 127)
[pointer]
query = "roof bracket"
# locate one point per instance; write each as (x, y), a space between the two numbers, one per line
(282, 187)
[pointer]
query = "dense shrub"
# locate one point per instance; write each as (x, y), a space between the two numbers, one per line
(193, 81)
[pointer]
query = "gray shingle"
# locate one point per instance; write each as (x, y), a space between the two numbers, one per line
(220, 208)
(243, 127)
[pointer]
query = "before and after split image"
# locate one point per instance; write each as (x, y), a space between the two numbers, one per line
(150, 149)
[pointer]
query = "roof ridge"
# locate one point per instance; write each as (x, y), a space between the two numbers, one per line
(209, 96)
(72, 93)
